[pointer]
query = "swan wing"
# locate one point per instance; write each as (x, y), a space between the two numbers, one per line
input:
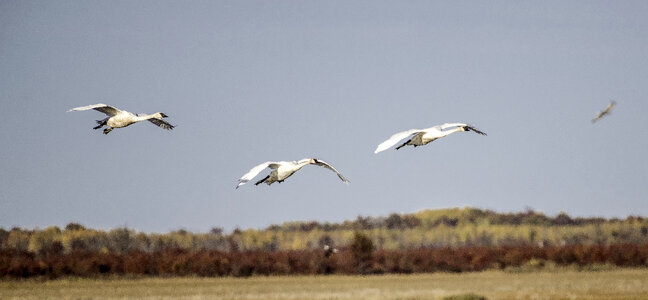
(445, 126)
(464, 125)
(253, 172)
(324, 164)
(472, 128)
(395, 139)
(161, 123)
(106, 109)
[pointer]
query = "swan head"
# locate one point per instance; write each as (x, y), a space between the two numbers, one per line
(159, 115)
(314, 161)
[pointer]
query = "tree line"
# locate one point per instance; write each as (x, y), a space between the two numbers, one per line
(457, 227)
(454, 240)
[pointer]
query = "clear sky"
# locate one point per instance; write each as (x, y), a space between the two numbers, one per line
(252, 81)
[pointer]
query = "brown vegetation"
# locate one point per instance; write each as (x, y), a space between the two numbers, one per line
(450, 240)
(178, 262)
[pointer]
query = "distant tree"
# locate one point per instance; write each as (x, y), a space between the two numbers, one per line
(74, 226)
(394, 221)
(41, 240)
(273, 227)
(330, 227)
(141, 242)
(361, 249)
(3, 238)
(362, 223)
(272, 245)
(233, 241)
(563, 219)
(410, 221)
(120, 240)
(18, 239)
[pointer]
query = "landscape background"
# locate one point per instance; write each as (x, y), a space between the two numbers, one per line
(547, 205)
(450, 240)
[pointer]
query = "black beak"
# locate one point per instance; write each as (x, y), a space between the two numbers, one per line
(164, 115)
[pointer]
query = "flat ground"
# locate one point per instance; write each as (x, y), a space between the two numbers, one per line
(556, 284)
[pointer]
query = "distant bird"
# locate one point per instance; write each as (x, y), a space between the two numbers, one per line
(121, 118)
(606, 111)
(328, 250)
(420, 137)
(283, 170)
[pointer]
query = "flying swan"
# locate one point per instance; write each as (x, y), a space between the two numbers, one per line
(121, 118)
(283, 170)
(420, 137)
(606, 111)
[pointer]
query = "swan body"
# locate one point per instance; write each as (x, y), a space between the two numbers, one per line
(283, 170)
(120, 118)
(604, 112)
(420, 137)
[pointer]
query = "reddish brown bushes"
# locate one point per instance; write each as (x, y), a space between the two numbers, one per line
(177, 262)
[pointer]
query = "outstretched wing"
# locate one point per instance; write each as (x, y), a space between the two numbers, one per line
(161, 123)
(397, 137)
(609, 107)
(463, 125)
(606, 111)
(445, 126)
(326, 165)
(253, 172)
(598, 117)
(106, 109)
(472, 128)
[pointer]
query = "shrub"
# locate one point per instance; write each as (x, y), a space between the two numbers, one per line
(361, 249)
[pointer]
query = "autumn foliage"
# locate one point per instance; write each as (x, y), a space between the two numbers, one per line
(177, 262)
(451, 240)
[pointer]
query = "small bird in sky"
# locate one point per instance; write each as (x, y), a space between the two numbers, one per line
(606, 111)
(420, 137)
(283, 170)
(120, 118)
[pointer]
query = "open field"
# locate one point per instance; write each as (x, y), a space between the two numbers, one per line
(556, 284)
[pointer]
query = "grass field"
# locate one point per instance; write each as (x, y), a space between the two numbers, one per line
(563, 284)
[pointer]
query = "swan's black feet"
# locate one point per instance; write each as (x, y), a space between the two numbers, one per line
(101, 124)
(107, 130)
(403, 145)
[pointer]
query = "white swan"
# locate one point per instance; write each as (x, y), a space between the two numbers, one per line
(420, 137)
(606, 111)
(283, 170)
(120, 118)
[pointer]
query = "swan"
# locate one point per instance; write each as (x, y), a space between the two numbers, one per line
(283, 170)
(606, 111)
(420, 137)
(120, 118)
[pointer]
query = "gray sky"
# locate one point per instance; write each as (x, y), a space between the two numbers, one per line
(251, 81)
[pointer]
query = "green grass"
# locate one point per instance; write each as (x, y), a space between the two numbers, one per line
(554, 284)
